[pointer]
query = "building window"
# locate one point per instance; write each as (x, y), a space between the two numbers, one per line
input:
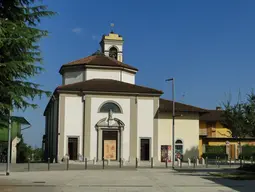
(110, 106)
(113, 53)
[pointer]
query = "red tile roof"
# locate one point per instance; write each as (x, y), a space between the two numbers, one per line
(99, 60)
(167, 106)
(108, 85)
(212, 115)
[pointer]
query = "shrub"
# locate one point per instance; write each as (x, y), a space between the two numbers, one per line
(214, 155)
(215, 149)
(247, 156)
(248, 151)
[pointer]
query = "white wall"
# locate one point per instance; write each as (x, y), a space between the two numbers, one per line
(73, 121)
(186, 129)
(145, 118)
(15, 141)
(95, 117)
(73, 77)
(128, 77)
(102, 74)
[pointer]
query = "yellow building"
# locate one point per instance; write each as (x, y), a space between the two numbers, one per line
(213, 133)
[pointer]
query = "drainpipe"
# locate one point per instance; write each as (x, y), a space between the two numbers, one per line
(83, 125)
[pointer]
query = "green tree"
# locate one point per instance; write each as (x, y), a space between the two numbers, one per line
(249, 114)
(38, 154)
(20, 56)
(24, 151)
(240, 117)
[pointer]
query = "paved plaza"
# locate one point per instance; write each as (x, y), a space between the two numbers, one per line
(119, 180)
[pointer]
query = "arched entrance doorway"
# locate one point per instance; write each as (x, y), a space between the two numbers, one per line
(109, 138)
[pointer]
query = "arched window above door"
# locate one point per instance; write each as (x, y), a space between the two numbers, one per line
(178, 142)
(106, 107)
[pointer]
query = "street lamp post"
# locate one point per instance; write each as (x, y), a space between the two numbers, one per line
(173, 117)
(9, 145)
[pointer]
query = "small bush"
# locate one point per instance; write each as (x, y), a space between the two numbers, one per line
(248, 151)
(247, 156)
(215, 149)
(214, 155)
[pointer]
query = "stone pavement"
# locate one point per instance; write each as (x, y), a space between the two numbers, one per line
(149, 180)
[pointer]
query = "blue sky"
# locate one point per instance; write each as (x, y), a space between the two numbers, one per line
(207, 46)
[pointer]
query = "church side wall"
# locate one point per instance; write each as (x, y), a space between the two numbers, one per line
(54, 129)
(186, 129)
(124, 103)
(73, 77)
(145, 117)
(73, 126)
(102, 74)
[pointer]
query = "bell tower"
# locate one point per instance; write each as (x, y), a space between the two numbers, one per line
(112, 45)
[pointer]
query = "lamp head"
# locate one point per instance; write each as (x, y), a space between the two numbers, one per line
(171, 79)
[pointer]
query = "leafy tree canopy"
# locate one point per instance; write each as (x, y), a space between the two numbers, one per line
(240, 117)
(20, 56)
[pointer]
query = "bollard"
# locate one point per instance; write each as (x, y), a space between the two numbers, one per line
(240, 161)
(136, 162)
(86, 163)
(94, 161)
(189, 162)
(28, 164)
(123, 161)
(151, 162)
(67, 164)
(181, 163)
(103, 163)
(166, 162)
(219, 162)
(206, 162)
(120, 162)
(48, 164)
(252, 160)
(194, 162)
(108, 161)
(226, 160)
(203, 161)
(197, 162)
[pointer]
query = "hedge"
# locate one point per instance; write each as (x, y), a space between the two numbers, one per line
(248, 151)
(247, 156)
(215, 149)
(214, 155)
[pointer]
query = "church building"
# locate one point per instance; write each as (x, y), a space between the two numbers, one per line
(100, 112)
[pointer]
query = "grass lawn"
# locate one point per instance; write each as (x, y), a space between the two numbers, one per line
(235, 175)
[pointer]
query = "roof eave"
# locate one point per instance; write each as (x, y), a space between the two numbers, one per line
(109, 92)
(182, 111)
(100, 66)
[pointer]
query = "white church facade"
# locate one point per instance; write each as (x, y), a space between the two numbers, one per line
(99, 112)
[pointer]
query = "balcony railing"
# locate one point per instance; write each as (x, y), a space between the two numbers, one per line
(203, 132)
